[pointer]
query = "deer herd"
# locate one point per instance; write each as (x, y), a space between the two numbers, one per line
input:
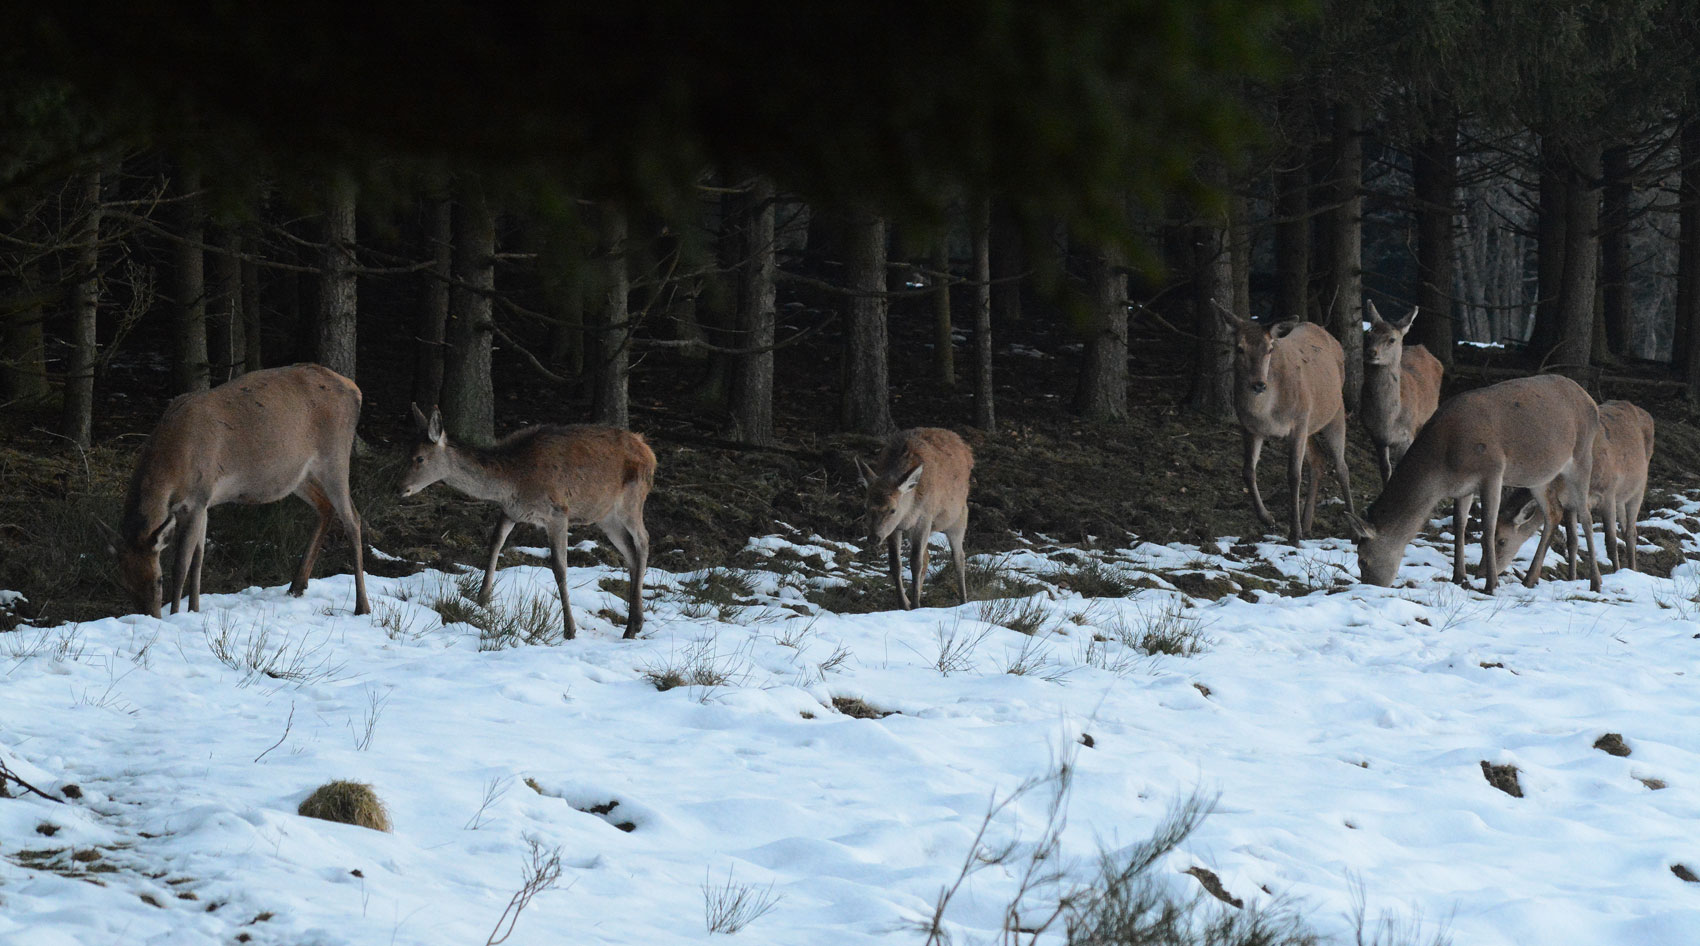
(290, 431)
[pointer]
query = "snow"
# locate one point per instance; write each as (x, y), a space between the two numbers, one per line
(1342, 736)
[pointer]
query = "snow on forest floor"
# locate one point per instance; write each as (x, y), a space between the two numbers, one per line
(1341, 730)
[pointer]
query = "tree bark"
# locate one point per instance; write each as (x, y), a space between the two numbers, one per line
(1685, 334)
(1435, 185)
(337, 286)
(866, 406)
(253, 348)
(1345, 247)
(1212, 283)
(944, 343)
(985, 412)
(1101, 393)
(1292, 224)
(1550, 244)
(1007, 263)
(190, 372)
(429, 353)
(76, 419)
(752, 373)
(610, 400)
(1239, 252)
(1614, 253)
(1581, 258)
(225, 346)
(23, 362)
(468, 394)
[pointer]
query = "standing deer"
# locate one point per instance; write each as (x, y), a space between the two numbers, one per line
(544, 475)
(917, 486)
(1287, 384)
(1524, 432)
(1622, 453)
(257, 439)
(1401, 388)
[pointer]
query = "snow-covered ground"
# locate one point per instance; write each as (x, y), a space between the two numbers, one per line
(1342, 732)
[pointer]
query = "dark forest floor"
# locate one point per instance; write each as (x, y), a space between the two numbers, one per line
(1164, 475)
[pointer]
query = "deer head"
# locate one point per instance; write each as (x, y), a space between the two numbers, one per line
(1386, 340)
(889, 498)
(430, 459)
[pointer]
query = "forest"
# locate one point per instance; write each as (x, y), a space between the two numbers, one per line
(766, 236)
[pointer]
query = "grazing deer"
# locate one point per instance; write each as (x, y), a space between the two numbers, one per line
(542, 476)
(917, 486)
(1622, 453)
(1401, 388)
(1524, 432)
(1287, 384)
(257, 439)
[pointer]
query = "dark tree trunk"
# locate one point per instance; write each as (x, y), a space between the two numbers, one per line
(752, 374)
(610, 400)
(1617, 305)
(1101, 393)
(337, 286)
(77, 414)
(23, 363)
(866, 406)
(944, 343)
(1239, 252)
(434, 306)
(1292, 229)
(1581, 259)
(1549, 249)
(1685, 352)
(985, 413)
(1435, 185)
(468, 395)
(566, 335)
(1345, 247)
(252, 347)
(1212, 282)
(1007, 262)
(189, 289)
(225, 345)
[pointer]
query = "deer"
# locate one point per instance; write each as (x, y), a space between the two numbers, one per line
(253, 440)
(548, 476)
(1528, 432)
(1287, 384)
(918, 485)
(1401, 388)
(1616, 488)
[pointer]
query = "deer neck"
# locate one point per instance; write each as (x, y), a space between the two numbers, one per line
(1416, 486)
(1381, 400)
(478, 474)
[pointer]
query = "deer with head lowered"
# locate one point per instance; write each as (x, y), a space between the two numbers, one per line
(1287, 384)
(1525, 432)
(259, 438)
(917, 486)
(1622, 453)
(542, 476)
(1401, 388)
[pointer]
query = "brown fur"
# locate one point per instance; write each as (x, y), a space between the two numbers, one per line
(549, 476)
(259, 438)
(1401, 389)
(899, 503)
(1523, 432)
(1622, 454)
(1287, 381)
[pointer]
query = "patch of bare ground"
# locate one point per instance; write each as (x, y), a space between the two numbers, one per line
(1612, 744)
(857, 709)
(1213, 885)
(1502, 777)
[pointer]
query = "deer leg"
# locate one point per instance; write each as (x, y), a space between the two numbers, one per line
(343, 505)
(314, 496)
(1570, 543)
(1632, 530)
(1335, 436)
(894, 558)
(1384, 462)
(498, 538)
(1608, 512)
(557, 531)
(1579, 503)
(1460, 525)
(1253, 450)
(918, 542)
(182, 557)
(955, 534)
(1295, 477)
(1490, 515)
(199, 537)
(636, 554)
(1315, 460)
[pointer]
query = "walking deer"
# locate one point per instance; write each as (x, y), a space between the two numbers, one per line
(1401, 388)
(917, 486)
(1287, 384)
(259, 438)
(543, 476)
(1622, 453)
(1524, 432)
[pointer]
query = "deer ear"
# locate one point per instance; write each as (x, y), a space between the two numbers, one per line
(1360, 528)
(162, 535)
(1281, 330)
(434, 430)
(1233, 322)
(1530, 510)
(420, 424)
(1373, 313)
(910, 480)
(111, 535)
(864, 473)
(1404, 324)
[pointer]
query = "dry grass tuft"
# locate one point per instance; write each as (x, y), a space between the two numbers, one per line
(347, 803)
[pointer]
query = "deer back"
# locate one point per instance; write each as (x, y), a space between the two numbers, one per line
(592, 472)
(940, 493)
